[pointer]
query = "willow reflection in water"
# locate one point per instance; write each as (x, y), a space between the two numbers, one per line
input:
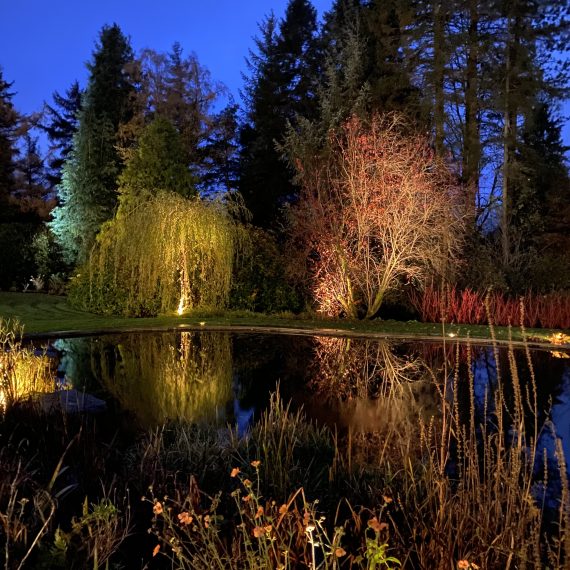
(185, 376)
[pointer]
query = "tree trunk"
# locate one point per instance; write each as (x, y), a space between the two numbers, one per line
(439, 16)
(509, 132)
(471, 141)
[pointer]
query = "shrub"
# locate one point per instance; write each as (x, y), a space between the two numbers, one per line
(470, 307)
(259, 281)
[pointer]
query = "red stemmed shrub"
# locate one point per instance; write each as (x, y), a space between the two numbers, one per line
(465, 306)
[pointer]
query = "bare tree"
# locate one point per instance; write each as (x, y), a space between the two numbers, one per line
(376, 210)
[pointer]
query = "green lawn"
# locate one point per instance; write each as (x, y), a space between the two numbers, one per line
(40, 313)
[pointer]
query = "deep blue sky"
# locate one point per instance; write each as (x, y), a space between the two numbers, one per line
(44, 44)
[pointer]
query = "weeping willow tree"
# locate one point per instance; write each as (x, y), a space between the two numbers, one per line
(167, 254)
(186, 376)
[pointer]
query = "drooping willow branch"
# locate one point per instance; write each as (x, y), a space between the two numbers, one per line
(169, 253)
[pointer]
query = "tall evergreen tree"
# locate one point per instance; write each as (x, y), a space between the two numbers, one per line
(378, 31)
(157, 164)
(220, 152)
(9, 121)
(529, 32)
(282, 83)
(17, 225)
(88, 192)
(60, 124)
(389, 67)
(541, 203)
(31, 181)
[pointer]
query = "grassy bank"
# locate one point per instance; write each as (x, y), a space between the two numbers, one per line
(40, 313)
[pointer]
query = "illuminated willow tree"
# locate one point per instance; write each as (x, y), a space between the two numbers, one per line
(377, 209)
(167, 254)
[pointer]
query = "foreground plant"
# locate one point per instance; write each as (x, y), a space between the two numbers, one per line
(463, 487)
(22, 373)
(259, 533)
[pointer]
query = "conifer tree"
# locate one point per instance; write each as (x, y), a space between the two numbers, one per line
(157, 164)
(541, 203)
(17, 226)
(9, 121)
(529, 32)
(88, 192)
(60, 124)
(389, 57)
(283, 80)
(220, 152)
(31, 180)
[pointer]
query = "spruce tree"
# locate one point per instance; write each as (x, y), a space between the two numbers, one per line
(541, 203)
(60, 124)
(17, 226)
(88, 192)
(389, 71)
(31, 181)
(220, 152)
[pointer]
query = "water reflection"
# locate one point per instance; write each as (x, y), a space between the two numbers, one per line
(368, 388)
(24, 373)
(185, 376)
(354, 368)
(361, 386)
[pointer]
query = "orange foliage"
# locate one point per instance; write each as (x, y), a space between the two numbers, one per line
(376, 211)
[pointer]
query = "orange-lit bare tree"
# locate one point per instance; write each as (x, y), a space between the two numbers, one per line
(376, 210)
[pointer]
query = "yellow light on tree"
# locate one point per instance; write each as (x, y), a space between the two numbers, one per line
(167, 255)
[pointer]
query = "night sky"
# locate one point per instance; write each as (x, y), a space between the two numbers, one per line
(44, 44)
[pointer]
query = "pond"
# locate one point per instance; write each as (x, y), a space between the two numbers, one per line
(349, 384)
(446, 454)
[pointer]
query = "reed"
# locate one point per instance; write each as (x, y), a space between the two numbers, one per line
(22, 373)
(467, 492)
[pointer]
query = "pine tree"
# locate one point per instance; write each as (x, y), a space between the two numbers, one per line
(282, 84)
(88, 192)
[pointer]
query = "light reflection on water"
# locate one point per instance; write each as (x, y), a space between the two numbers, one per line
(366, 386)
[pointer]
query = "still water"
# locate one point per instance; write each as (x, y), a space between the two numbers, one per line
(355, 385)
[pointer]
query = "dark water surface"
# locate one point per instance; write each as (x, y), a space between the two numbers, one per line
(224, 378)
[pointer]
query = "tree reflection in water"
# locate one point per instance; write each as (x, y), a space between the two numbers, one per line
(172, 376)
(375, 393)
